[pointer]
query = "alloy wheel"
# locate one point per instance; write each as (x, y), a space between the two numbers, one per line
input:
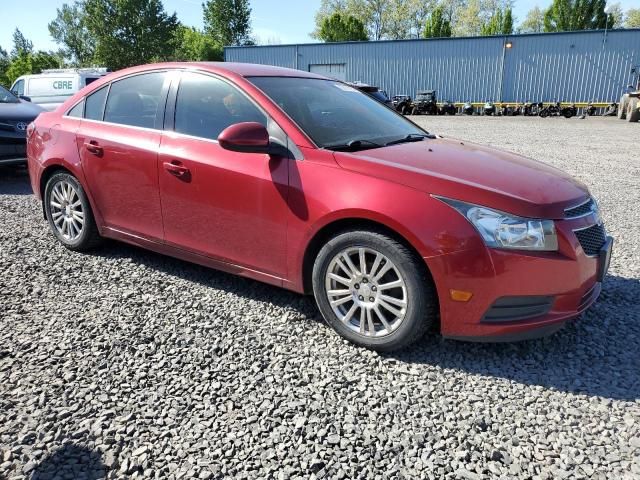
(66, 210)
(366, 291)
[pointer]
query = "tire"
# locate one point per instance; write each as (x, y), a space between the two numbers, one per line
(633, 115)
(363, 298)
(622, 107)
(415, 111)
(64, 198)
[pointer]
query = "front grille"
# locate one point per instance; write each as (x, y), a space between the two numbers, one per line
(592, 239)
(580, 210)
(510, 309)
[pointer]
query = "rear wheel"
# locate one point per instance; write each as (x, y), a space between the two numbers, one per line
(622, 107)
(69, 213)
(633, 115)
(373, 290)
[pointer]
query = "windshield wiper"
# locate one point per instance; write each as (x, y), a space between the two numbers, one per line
(412, 137)
(354, 145)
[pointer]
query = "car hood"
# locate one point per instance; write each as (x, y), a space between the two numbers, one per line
(23, 111)
(472, 173)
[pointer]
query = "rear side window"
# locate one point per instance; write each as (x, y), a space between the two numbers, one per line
(205, 106)
(137, 101)
(77, 111)
(95, 104)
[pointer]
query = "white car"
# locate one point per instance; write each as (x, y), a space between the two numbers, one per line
(52, 88)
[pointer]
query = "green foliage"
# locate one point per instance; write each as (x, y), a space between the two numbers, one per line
(24, 60)
(21, 45)
(568, 15)
(194, 45)
(533, 22)
(130, 32)
(437, 25)
(500, 23)
(342, 28)
(70, 30)
(5, 63)
(228, 22)
(633, 18)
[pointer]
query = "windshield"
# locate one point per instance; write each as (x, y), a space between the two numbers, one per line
(333, 113)
(6, 96)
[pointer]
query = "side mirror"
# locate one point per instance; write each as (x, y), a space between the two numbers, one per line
(248, 137)
(25, 98)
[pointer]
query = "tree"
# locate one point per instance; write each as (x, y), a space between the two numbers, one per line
(194, 45)
(633, 18)
(21, 45)
(228, 22)
(70, 30)
(499, 23)
(342, 28)
(533, 22)
(23, 60)
(437, 25)
(5, 62)
(468, 19)
(567, 15)
(130, 32)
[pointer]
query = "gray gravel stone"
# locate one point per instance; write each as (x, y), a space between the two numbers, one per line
(154, 368)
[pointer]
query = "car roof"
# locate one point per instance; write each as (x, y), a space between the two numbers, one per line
(240, 69)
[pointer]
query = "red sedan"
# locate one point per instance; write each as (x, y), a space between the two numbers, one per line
(306, 183)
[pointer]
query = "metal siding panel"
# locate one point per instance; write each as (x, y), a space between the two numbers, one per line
(576, 66)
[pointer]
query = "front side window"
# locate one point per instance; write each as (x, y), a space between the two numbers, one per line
(333, 114)
(205, 106)
(95, 104)
(137, 101)
(18, 88)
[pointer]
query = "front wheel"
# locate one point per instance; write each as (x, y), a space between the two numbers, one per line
(373, 290)
(69, 213)
(622, 108)
(633, 114)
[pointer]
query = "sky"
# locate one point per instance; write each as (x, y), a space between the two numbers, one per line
(286, 21)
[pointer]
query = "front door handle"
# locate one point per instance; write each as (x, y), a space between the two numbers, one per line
(93, 147)
(174, 168)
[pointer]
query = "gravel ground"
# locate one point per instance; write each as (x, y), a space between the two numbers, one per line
(126, 364)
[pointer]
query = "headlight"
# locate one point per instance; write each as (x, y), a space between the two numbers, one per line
(501, 230)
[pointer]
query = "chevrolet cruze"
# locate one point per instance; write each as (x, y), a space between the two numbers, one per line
(304, 182)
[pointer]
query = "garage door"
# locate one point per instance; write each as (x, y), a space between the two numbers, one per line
(333, 70)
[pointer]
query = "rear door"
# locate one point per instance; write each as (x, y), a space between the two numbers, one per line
(118, 143)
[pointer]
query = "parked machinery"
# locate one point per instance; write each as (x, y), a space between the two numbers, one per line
(590, 110)
(489, 109)
(630, 102)
(557, 110)
(425, 103)
(447, 108)
(402, 104)
(467, 109)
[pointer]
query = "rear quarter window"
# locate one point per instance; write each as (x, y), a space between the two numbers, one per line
(95, 104)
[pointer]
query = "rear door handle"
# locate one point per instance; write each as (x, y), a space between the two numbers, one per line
(93, 147)
(174, 168)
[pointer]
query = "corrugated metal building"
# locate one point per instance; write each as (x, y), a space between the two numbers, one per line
(570, 66)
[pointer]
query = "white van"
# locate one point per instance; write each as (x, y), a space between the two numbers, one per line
(52, 88)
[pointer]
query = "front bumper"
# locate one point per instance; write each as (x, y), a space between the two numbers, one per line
(560, 284)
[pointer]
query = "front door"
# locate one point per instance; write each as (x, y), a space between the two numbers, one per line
(227, 205)
(118, 143)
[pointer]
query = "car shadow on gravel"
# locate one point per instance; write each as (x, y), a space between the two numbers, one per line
(596, 355)
(14, 181)
(247, 288)
(70, 461)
